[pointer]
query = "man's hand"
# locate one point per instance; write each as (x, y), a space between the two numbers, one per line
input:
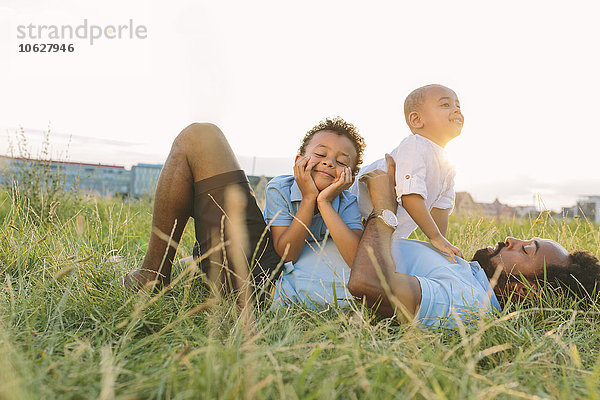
(373, 275)
(381, 185)
(442, 244)
(338, 186)
(302, 174)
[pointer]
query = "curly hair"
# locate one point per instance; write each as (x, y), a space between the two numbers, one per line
(579, 280)
(342, 128)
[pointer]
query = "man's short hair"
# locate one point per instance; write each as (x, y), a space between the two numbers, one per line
(342, 128)
(415, 100)
(579, 280)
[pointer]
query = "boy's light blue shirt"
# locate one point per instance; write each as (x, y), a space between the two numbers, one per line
(282, 199)
(316, 280)
(449, 291)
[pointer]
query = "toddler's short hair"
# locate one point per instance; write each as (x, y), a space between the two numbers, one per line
(342, 128)
(415, 100)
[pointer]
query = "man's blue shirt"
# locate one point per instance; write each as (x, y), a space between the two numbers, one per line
(448, 290)
(282, 199)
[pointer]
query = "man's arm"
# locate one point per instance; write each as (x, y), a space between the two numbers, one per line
(440, 217)
(373, 275)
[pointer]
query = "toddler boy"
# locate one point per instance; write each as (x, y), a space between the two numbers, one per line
(424, 179)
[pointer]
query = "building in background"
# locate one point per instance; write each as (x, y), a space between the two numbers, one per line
(587, 207)
(96, 178)
(106, 180)
(526, 211)
(143, 179)
(465, 206)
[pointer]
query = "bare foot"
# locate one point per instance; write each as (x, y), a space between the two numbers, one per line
(144, 278)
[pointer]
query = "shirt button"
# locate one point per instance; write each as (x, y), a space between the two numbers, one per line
(407, 177)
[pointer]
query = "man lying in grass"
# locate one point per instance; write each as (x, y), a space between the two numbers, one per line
(415, 281)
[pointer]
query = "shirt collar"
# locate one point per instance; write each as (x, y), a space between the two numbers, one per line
(433, 144)
(483, 279)
(440, 153)
(296, 195)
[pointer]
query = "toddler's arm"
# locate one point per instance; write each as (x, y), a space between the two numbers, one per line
(414, 204)
(440, 217)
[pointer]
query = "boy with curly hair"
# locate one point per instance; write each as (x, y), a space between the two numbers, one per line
(200, 172)
(302, 208)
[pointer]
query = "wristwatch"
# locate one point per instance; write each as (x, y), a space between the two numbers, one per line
(387, 216)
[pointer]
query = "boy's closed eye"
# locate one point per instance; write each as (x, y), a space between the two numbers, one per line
(340, 162)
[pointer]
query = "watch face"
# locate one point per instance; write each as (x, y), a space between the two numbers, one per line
(389, 218)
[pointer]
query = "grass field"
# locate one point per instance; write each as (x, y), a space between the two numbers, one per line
(69, 330)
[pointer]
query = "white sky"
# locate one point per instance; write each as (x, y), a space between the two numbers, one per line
(526, 72)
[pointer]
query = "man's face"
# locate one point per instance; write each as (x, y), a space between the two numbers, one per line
(520, 257)
(441, 115)
(332, 154)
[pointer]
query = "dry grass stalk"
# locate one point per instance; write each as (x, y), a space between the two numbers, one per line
(109, 374)
(235, 205)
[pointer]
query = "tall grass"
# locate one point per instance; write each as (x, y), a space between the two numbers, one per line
(68, 329)
(35, 179)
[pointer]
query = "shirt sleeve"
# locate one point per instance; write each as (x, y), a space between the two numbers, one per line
(277, 206)
(411, 174)
(446, 200)
(435, 302)
(350, 213)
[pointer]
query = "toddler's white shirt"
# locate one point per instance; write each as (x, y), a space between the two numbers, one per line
(421, 168)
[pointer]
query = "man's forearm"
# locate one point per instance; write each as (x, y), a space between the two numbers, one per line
(374, 277)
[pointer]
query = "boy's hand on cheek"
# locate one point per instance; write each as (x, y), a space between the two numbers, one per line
(343, 182)
(302, 174)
